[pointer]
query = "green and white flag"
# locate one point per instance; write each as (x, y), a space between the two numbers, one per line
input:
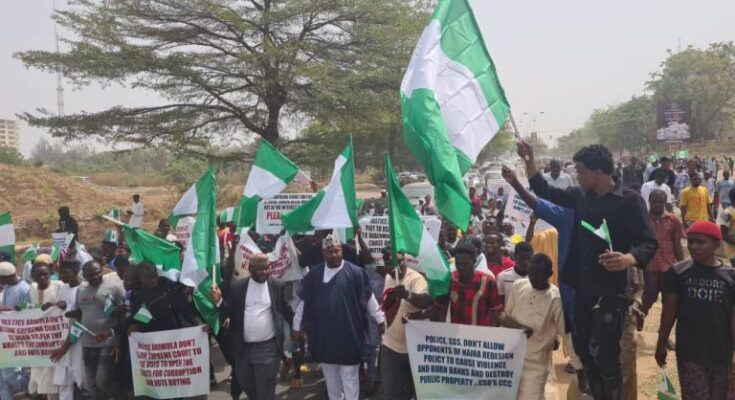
(602, 232)
(161, 253)
(270, 173)
(143, 315)
(109, 305)
(55, 252)
(666, 389)
(228, 215)
(111, 236)
(31, 253)
(452, 103)
(77, 330)
(334, 206)
(409, 235)
(7, 234)
(201, 258)
(114, 214)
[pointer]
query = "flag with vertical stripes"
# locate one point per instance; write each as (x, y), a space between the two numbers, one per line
(452, 103)
(7, 234)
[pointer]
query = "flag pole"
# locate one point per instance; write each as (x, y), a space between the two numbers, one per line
(118, 222)
(516, 132)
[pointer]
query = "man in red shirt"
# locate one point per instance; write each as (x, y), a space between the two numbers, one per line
(474, 298)
(496, 261)
(669, 233)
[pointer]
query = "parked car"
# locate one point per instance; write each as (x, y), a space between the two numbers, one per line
(418, 191)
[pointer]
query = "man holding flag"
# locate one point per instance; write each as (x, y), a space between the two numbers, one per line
(615, 236)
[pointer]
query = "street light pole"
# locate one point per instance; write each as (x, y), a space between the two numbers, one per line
(533, 118)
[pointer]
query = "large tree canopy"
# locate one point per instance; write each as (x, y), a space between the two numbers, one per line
(225, 69)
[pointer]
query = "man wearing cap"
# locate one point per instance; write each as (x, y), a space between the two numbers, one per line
(256, 307)
(699, 295)
(337, 300)
(109, 246)
(15, 294)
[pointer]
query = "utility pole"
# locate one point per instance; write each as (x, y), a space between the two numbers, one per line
(59, 76)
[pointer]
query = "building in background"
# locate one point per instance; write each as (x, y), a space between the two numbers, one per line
(10, 133)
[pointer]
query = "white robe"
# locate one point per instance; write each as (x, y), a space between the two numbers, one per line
(42, 378)
(70, 369)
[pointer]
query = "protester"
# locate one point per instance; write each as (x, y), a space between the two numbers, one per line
(163, 230)
(556, 178)
(505, 280)
(474, 298)
(68, 224)
(135, 213)
(709, 183)
(722, 192)
(99, 357)
(407, 292)
(14, 296)
(658, 183)
(256, 308)
(337, 301)
(669, 233)
(536, 305)
(43, 294)
(632, 174)
(727, 228)
(497, 262)
(628, 341)
(695, 202)
(69, 371)
(109, 246)
(666, 169)
(699, 296)
(597, 273)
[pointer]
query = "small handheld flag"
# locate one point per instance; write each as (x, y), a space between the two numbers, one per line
(56, 252)
(31, 253)
(666, 389)
(602, 232)
(109, 305)
(77, 330)
(114, 214)
(143, 315)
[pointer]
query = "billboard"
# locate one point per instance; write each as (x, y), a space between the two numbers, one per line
(673, 121)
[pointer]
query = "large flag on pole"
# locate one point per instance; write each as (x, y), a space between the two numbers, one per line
(161, 253)
(270, 174)
(409, 235)
(452, 104)
(334, 206)
(7, 234)
(201, 262)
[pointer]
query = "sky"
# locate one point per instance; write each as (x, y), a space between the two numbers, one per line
(557, 60)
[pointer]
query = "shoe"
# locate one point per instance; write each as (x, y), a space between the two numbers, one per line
(285, 367)
(304, 369)
(569, 369)
(296, 383)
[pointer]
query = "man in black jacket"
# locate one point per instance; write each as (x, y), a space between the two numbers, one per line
(256, 308)
(596, 268)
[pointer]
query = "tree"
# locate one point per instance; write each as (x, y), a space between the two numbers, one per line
(226, 70)
(10, 155)
(706, 77)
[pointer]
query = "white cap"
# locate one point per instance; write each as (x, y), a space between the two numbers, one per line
(330, 241)
(7, 269)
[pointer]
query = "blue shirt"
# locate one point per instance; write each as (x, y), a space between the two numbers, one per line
(562, 219)
(13, 295)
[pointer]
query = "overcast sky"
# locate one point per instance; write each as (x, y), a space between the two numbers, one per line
(563, 58)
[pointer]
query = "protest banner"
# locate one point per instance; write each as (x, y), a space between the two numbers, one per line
(62, 239)
(28, 337)
(673, 121)
(170, 364)
(183, 229)
(519, 213)
(453, 361)
(283, 260)
(376, 234)
(268, 220)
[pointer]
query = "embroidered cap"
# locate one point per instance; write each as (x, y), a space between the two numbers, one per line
(330, 241)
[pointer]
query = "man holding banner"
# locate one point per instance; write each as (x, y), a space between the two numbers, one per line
(596, 268)
(408, 294)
